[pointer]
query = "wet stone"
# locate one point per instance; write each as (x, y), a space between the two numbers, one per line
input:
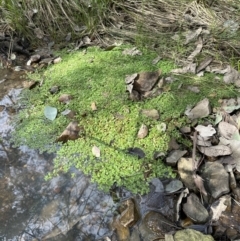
(195, 210)
(154, 226)
(193, 235)
(216, 179)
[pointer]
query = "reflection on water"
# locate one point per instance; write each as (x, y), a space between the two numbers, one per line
(63, 208)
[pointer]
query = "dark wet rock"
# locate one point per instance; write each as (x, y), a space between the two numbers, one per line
(216, 179)
(201, 110)
(154, 226)
(174, 156)
(195, 210)
(136, 152)
(193, 235)
(185, 170)
(135, 236)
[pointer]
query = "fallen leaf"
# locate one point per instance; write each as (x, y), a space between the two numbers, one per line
(93, 106)
(205, 131)
(231, 75)
(199, 183)
(219, 207)
(39, 33)
(219, 150)
(50, 112)
(143, 131)
(65, 98)
(130, 78)
(96, 151)
(197, 50)
(192, 35)
(57, 60)
(153, 113)
(204, 64)
(161, 127)
(156, 60)
(70, 133)
(219, 118)
(133, 51)
(194, 89)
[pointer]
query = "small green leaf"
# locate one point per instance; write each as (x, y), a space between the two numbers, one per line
(50, 112)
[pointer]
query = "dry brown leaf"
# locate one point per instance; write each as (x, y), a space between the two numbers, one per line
(96, 151)
(199, 183)
(65, 98)
(191, 36)
(197, 50)
(204, 64)
(143, 131)
(70, 133)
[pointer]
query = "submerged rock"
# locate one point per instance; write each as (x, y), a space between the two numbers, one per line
(154, 226)
(193, 235)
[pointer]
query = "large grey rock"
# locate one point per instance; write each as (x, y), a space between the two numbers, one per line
(185, 170)
(193, 235)
(216, 179)
(201, 110)
(195, 210)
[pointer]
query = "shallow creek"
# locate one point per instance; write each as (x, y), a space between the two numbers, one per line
(31, 208)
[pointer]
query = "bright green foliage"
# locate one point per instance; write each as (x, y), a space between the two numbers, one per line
(99, 76)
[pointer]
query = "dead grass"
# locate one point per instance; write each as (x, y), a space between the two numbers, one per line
(150, 23)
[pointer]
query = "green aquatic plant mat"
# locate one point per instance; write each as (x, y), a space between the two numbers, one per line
(98, 76)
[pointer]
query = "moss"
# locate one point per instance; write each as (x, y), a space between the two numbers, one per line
(98, 76)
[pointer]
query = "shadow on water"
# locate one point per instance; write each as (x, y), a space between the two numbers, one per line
(63, 208)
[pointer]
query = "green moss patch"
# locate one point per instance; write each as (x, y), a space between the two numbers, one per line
(98, 76)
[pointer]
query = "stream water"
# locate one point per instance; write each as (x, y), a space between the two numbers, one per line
(31, 208)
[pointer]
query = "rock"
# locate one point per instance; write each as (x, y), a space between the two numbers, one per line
(158, 185)
(129, 214)
(153, 113)
(216, 179)
(174, 186)
(195, 210)
(146, 81)
(154, 226)
(193, 235)
(174, 156)
(227, 130)
(185, 129)
(201, 110)
(185, 170)
(65, 98)
(143, 132)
